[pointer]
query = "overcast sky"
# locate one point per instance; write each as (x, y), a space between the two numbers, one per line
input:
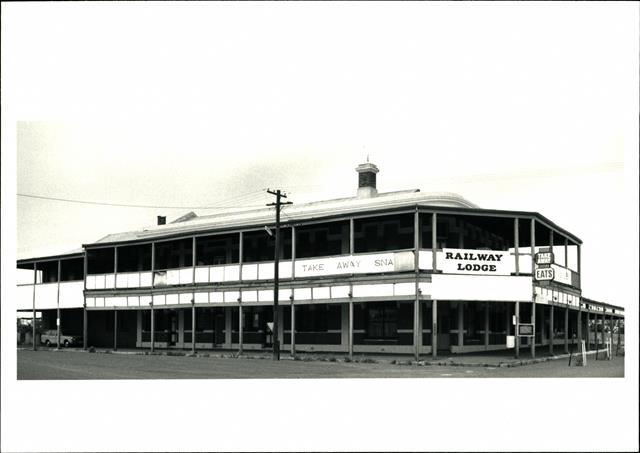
(513, 106)
(199, 104)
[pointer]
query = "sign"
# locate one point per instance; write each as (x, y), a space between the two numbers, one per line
(513, 319)
(544, 273)
(511, 341)
(544, 258)
(478, 262)
(525, 330)
(561, 275)
(355, 264)
(57, 321)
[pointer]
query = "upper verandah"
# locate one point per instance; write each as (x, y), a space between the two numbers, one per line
(322, 210)
(295, 213)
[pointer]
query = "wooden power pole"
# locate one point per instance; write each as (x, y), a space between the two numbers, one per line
(276, 271)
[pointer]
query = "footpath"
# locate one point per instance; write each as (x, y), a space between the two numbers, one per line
(494, 359)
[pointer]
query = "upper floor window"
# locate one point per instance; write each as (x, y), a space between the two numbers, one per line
(134, 258)
(260, 246)
(218, 249)
(377, 234)
(72, 269)
(322, 239)
(101, 261)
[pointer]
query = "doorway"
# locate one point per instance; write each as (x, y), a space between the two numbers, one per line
(173, 327)
(444, 311)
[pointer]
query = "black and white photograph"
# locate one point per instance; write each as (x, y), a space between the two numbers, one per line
(320, 226)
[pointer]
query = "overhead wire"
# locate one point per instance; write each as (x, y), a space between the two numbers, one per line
(225, 204)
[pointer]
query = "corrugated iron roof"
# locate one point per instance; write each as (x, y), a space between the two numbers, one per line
(293, 213)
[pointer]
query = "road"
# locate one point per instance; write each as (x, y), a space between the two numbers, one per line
(46, 364)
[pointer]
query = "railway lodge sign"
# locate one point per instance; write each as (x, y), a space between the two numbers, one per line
(469, 261)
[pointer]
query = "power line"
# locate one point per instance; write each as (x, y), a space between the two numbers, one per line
(222, 205)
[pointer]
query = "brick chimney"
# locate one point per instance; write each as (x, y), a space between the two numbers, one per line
(367, 180)
(162, 220)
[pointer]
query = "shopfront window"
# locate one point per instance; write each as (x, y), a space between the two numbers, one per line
(382, 320)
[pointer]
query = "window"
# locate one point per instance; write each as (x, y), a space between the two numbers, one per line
(174, 254)
(383, 233)
(49, 270)
(72, 269)
(475, 232)
(134, 258)
(382, 321)
(323, 239)
(219, 249)
(259, 246)
(100, 261)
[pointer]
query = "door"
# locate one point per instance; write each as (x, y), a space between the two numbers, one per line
(443, 326)
(173, 327)
(219, 326)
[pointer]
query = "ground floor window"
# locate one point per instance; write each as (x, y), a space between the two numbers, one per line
(382, 321)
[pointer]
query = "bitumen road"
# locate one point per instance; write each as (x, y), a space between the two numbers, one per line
(73, 364)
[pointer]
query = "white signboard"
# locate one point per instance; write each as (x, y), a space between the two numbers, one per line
(355, 264)
(561, 275)
(479, 262)
(544, 258)
(544, 273)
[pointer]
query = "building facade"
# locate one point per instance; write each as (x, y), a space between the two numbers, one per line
(400, 272)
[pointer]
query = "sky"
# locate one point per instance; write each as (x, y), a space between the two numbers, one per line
(522, 106)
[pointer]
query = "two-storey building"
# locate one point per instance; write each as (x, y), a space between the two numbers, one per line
(399, 272)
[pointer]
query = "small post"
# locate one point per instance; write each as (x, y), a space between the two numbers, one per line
(579, 322)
